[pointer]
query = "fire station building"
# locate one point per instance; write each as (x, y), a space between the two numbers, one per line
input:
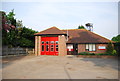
(54, 41)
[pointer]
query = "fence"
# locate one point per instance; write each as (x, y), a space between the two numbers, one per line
(16, 50)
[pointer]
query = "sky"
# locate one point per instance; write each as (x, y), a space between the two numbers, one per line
(67, 15)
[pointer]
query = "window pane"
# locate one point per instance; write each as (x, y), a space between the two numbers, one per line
(94, 47)
(52, 45)
(56, 42)
(47, 42)
(52, 42)
(56, 45)
(42, 42)
(87, 46)
(42, 47)
(47, 47)
(56, 49)
(70, 46)
(52, 49)
(90, 47)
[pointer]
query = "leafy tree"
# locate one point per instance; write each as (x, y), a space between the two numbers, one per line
(6, 22)
(8, 25)
(19, 24)
(110, 48)
(13, 32)
(23, 37)
(117, 44)
(27, 37)
(11, 18)
(116, 39)
(81, 27)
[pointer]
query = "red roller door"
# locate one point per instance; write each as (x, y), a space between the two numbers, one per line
(49, 45)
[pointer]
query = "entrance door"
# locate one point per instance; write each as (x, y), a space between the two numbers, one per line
(49, 45)
(75, 49)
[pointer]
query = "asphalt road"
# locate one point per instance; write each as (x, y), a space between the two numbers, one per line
(56, 67)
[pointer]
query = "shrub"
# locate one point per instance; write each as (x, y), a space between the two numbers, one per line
(114, 52)
(109, 48)
(104, 53)
(86, 53)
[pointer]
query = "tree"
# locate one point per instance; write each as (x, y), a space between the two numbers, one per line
(27, 37)
(110, 48)
(81, 27)
(19, 24)
(117, 44)
(13, 32)
(11, 18)
(116, 39)
(6, 21)
(8, 25)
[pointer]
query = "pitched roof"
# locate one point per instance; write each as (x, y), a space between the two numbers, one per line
(85, 36)
(52, 30)
(76, 35)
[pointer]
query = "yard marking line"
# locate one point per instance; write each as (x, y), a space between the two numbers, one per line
(67, 72)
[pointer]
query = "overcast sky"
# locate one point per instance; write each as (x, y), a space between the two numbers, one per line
(67, 15)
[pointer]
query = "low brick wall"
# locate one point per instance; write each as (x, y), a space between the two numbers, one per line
(96, 56)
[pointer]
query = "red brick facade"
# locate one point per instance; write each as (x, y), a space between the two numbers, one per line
(78, 38)
(82, 47)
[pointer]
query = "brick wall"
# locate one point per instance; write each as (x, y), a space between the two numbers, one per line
(62, 45)
(81, 48)
(37, 45)
(100, 51)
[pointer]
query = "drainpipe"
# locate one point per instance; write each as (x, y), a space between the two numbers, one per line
(67, 34)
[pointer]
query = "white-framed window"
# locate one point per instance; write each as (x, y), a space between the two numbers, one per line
(70, 47)
(90, 47)
(101, 47)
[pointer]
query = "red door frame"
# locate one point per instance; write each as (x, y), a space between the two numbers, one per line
(50, 46)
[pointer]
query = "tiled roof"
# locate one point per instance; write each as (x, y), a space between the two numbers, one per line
(52, 30)
(85, 36)
(76, 35)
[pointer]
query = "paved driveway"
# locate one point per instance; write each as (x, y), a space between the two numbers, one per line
(54, 67)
